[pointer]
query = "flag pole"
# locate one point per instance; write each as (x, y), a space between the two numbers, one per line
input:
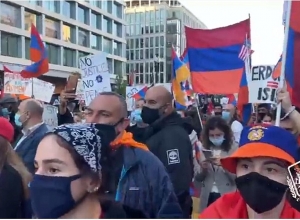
(197, 107)
(282, 73)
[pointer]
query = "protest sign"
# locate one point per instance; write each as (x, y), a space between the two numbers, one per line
(95, 75)
(80, 90)
(42, 90)
(130, 91)
(50, 115)
(14, 83)
(262, 87)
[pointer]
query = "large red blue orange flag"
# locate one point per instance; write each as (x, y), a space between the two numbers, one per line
(38, 55)
(214, 57)
(292, 67)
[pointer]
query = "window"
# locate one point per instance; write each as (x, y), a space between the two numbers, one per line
(68, 33)
(96, 21)
(69, 57)
(29, 18)
(67, 9)
(107, 25)
(10, 15)
(104, 5)
(51, 28)
(96, 42)
(107, 45)
(94, 3)
(34, 2)
(109, 6)
(10, 45)
(51, 5)
(83, 37)
(118, 67)
(82, 15)
(109, 65)
(119, 10)
(117, 29)
(162, 41)
(27, 48)
(151, 41)
(117, 48)
(53, 53)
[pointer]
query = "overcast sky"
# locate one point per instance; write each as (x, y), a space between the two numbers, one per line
(266, 22)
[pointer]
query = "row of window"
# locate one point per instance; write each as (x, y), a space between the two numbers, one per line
(145, 42)
(133, 30)
(148, 78)
(11, 45)
(142, 17)
(147, 67)
(68, 7)
(11, 15)
(145, 54)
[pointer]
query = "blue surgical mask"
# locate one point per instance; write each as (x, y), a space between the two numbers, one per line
(226, 115)
(5, 112)
(51, 196)
(17, 120)
(217, 141)
(136, 116)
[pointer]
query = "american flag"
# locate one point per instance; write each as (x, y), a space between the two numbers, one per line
(272, 84)
(245, 51)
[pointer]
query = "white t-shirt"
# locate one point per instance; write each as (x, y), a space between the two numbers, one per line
(236, 128)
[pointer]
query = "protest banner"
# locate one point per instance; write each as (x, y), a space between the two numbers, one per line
(262, 87)
(42, 90)
(95, 75)
(14, 83)
(130, 92)
(80, 91)
(50, 115)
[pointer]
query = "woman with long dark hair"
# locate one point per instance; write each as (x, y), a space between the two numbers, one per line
(217, 141)
(14, 176)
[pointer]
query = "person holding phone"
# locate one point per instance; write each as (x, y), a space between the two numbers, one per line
(217, 143)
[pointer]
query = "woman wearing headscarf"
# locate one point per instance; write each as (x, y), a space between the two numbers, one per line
(69, 175)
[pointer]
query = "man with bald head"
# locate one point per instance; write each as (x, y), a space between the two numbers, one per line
(167, 138)
(30, 119)
(136, 178)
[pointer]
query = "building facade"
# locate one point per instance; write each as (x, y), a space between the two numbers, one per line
(69, 29)
(153, 27)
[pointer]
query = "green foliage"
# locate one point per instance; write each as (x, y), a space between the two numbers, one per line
(120, 85)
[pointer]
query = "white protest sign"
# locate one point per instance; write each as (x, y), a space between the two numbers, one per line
(50, 115)
(224, 101)
(262, 87)
(95, 75)
(130, 91)
(42, 90)
(14, 83)
(79, 90)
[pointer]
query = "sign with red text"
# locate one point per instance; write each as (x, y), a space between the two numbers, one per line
(50, 116)
(95, 75)
(14, 83)
(262, 87)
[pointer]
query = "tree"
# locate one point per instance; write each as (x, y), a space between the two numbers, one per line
(120, 86)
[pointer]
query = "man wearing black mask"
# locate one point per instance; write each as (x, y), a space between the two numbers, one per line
(262, 110)
(218, 109)
(167, 138)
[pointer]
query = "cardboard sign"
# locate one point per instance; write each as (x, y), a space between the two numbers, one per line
(95, 75)
(262, 87)
(14, 83)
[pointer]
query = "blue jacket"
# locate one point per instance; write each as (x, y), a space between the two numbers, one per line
(145, 185)
(27, 148)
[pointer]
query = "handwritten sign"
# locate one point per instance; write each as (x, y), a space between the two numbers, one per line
(42, 90)
(95, 75)
(80, 90)
(262, 87)
(50, 115)
(14, 83)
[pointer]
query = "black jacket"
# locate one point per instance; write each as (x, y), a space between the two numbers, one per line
(168, 139)
(137, 132)
(66, 118)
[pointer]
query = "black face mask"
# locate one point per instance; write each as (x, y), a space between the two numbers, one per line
(261, 116)
(150, 115)
(259, 192)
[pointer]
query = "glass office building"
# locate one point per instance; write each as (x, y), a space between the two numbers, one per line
(70, 29)
(153, 27)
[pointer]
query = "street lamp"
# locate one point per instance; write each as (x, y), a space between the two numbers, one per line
(156, 67)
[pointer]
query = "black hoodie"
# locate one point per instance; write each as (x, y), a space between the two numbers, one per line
(168, 139)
